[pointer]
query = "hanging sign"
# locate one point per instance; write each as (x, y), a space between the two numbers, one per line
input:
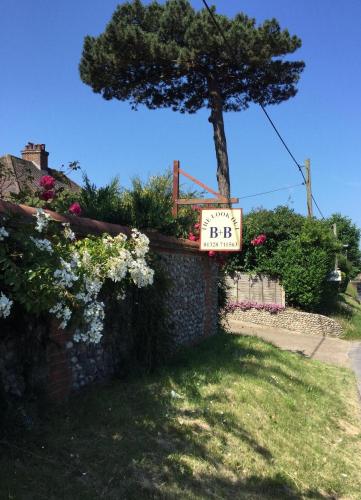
(221, 229)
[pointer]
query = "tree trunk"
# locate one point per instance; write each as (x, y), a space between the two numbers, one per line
(220, 143)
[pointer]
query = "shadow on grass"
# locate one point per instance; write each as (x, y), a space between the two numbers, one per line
(222, 355)
(123, 441)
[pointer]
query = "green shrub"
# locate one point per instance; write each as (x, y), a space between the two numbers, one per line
(303, 272)
(299, 251)
(146, 205)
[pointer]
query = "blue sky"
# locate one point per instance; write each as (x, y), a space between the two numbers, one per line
(43, 100)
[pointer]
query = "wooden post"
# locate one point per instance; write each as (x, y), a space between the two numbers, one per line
(175, 187)
(334, 227)
(218, 201)
(309, 188)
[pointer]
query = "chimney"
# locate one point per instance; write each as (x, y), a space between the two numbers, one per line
(37, 154)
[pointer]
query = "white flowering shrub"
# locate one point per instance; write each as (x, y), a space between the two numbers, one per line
(46, 269)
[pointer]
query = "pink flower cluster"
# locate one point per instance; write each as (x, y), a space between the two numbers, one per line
(47, 182)
(259, 240)
(75, 208)
(194, 236)
(245, 305)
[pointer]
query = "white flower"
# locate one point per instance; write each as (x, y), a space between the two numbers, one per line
(42, 220)
(94, 312)
(93, 337)
(3, 233)
(68, 233)
(117, 241)
(85, 259)
(75, 260)
(120, 238)
(141, 244)
(62, 312)
(5, 305)
(92, 286)
(43, 245)
(121, 295)
(141, 274)
(65, 276)
(107, 240)
(94, 321)
(118, 266)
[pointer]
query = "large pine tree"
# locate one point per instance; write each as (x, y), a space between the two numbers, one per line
(169, 55)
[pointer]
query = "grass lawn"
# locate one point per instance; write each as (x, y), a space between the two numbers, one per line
(244, 421)
(349, 315)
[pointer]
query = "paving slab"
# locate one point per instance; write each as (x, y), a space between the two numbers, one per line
(320, 347)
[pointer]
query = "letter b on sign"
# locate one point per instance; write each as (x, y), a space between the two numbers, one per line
(227, 232)
(214, 232)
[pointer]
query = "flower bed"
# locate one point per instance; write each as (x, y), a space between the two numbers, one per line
(245, 305)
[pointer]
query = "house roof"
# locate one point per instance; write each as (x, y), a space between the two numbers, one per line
(24, 174)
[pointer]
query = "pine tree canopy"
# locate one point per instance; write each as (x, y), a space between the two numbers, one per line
(167, 55)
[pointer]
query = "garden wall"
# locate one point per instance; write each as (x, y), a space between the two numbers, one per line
(290, 319)
(62, 365)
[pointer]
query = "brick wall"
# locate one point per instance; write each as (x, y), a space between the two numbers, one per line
(192, 302)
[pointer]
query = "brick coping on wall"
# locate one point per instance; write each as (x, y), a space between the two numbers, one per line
(83, 226)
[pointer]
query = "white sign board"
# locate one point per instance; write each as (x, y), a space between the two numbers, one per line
(221, 229)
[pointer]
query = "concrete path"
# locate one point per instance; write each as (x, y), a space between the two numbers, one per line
(327, 349)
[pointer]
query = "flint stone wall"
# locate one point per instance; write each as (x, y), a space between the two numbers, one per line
(192, 302)
(62, 366)
(289, 319)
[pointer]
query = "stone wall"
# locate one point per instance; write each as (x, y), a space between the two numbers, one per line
(192, 297)
(19, 343)
(10, 371)
(290, 319)
(191, 301)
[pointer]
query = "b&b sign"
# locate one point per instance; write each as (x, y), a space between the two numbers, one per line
(221, 229)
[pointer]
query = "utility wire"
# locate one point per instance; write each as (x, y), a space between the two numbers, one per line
(234, 56)
(272, 191)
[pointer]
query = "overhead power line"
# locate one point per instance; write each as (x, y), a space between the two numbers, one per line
(272, 191)
(234, 56)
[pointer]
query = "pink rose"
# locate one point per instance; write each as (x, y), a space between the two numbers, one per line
(212, 253)
(197, 226)
(47, 195)
(47, 182)
(259, 240)
(192, 237)
(75, 208)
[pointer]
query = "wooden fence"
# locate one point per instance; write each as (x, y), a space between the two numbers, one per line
(261, 289)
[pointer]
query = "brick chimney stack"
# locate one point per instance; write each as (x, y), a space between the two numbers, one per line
(37, 154)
